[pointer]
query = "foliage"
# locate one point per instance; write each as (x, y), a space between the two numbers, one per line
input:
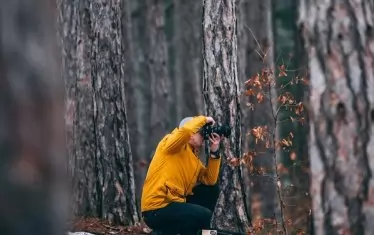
(263, 87)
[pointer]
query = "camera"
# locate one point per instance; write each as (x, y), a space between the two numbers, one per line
(208, 129)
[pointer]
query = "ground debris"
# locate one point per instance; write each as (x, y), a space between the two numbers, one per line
(101, 227)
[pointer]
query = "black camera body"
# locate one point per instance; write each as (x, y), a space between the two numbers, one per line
(208, 129)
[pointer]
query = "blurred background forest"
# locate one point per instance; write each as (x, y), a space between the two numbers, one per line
(88, 88)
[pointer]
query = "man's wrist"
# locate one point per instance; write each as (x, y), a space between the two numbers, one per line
(214, 154)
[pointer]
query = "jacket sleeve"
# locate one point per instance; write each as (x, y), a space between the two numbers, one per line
(209, 175)
(174, 141)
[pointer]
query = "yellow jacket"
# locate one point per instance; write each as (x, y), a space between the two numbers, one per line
(175, 169)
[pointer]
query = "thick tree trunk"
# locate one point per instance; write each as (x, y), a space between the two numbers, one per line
(100, 155)
(339, 41)
(32, 165)
(221, 94)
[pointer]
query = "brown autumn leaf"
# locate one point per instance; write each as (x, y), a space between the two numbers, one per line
(267, 145)
(286, 142)
(258, 225)
(282, 99)
(302, 120)
(260, 97)
(289, 222)
(250, 92)
(282, 71)
(259, 132)
(234, 161)
(304, 81)
(299, 108)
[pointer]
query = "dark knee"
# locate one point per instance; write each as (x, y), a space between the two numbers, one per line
(205, 217)
(213, 190)
(208, 189)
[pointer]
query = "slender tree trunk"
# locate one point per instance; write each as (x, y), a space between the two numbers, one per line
(94, 72)
(142, 91)
(221, 94)
(339, 41)
(187, 41)
(159, 76)
(246, 123)
(32, 165)
(130, 90)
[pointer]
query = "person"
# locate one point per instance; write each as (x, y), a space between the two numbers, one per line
(180, 193)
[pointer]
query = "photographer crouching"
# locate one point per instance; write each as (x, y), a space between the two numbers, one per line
(171, 201)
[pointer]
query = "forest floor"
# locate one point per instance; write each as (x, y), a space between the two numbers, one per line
(297, 218)
(100, 227)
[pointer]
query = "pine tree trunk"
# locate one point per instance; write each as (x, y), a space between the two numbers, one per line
(339, 41)
(94, 72)
(32, 153)
(221, 94)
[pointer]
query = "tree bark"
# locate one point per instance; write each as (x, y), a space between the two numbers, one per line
(142, 91)
(130, 90)
(187, 43)
(32, 167)
(94, 72)
(338, 38)
(221, 95)
(159, 76)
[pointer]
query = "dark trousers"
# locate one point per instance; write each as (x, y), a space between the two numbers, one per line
(185, 218)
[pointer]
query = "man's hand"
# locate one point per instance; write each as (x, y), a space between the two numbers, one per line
(214, 139)
(210, 120)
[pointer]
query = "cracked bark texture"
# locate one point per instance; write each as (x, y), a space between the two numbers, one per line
(221, 95)
(32, 165)
(255, 40)
(100, 156)
(338, 38)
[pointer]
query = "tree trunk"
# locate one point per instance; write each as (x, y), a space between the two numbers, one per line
(100, 154)
(246, 120)
(221, 94)
(159, 76)
(130, 90)
(187, 43)
(339, 41)
(142, 91)
(32, 166)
